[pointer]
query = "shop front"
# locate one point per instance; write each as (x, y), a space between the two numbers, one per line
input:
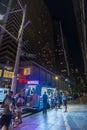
(32, 92)
(6, 75)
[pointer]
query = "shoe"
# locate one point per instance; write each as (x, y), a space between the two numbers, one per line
(20, 122)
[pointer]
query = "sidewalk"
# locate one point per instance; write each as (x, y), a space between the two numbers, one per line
(53, 120)
(74, 119)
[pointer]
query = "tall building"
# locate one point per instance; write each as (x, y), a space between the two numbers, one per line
(61, 51)
(81, 18)
(8, 46)
(65, 37)
(38, 34)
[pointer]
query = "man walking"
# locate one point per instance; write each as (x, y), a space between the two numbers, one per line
(45, 101)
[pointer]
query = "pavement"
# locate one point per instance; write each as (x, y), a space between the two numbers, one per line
(56, 119)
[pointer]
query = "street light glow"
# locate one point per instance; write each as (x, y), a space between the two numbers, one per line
(56, 77)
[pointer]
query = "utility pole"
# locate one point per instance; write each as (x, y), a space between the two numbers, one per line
(19, 40)
(20, 36)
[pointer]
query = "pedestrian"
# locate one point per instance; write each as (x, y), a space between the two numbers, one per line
(18, 110)
(6, 116)
(45, 101)
(64, 100)
(55, 101)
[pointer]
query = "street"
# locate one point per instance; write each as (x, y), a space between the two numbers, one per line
(74, 119)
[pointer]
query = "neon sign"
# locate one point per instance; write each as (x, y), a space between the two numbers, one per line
(33, 82)
(22, 80)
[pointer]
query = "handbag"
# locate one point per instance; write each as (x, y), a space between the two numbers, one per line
(19, 104)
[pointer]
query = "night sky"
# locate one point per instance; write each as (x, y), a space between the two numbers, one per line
(63, 10)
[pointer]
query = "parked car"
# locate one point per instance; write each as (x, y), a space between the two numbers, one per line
(70, 97)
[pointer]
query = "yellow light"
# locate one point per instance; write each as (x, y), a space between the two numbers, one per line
(56, 77)
(25, 71)
(8, 74)
(0, 73)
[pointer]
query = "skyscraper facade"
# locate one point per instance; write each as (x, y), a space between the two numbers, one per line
(38, 34)
(81, 18)
(61, 52)
(8, 46)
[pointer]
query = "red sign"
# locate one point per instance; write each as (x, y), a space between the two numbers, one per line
(22, 80)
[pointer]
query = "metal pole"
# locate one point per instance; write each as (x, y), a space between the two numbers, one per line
(20, 36)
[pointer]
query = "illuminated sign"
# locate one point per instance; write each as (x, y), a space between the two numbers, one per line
(8, 74)
(33, 82)
(27, 71)
(22, 80)
(0, 73)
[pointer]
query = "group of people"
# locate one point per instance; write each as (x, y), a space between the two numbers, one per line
(55, 100)
(11, 111)
(12, 107)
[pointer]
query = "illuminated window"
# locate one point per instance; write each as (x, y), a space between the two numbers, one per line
(26, 71)
(61, 63)
(38, 42)
(0, 73)
(8, 74)
(64, 70)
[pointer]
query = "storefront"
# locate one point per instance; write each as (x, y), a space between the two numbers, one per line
(35, 79)
(32, 92)
(6, 75)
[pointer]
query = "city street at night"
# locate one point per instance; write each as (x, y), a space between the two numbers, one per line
(74, 119)
(43, 64)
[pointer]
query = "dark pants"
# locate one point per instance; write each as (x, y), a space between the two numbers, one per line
(44, 107)
(5, 120)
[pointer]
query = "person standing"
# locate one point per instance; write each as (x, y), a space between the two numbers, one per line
(45, 101)
(18, 110)
(6, 116)
(64, 100)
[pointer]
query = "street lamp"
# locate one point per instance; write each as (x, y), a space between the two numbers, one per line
(56, 77)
